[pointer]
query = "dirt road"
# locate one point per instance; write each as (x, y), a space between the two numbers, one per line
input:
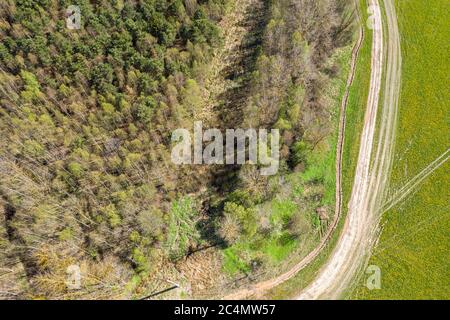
(374, 164)
(371, 178)
(259, 288)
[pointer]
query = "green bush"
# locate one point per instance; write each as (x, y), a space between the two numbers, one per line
(182, 231)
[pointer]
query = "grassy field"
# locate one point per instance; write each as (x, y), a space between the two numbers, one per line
(413, 251)
(354, 121)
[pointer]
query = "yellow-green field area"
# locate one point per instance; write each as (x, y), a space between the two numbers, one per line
(413, 252)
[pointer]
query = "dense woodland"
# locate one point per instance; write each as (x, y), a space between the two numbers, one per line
(86, 118)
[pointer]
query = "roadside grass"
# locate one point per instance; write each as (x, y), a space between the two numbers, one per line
(322, 169)
(354, 121)
(413, 249)
(356, 109)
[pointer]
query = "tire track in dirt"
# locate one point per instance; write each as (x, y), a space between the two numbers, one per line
(414, 182)
(370, 186)
(260, 288)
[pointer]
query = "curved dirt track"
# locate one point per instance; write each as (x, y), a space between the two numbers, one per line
(259, 288)
(373, 168)
(371, 177)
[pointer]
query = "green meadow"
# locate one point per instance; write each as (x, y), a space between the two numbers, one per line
(413, 250)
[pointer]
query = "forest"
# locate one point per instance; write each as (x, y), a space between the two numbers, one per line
(86, 118)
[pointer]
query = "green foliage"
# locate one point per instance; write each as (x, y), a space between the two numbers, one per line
(201, 30)
(145, 109)
(112, 214)
(108, 108)
(241, 197)
(278, 248)
(87, 123)
(88, 119)
(289, 90)
(233, 262)
(191, 96)
(282, 212)
(140, 260)
(76, 169)
(182, 231)
(66, 234)
(33, 149)
(245, 216)
(274, 244)
(31, 86)
(300, 152)
(101, 77)
(152, 223)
